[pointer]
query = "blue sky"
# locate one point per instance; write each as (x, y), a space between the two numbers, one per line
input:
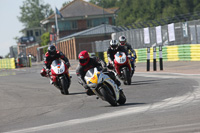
(10, 25)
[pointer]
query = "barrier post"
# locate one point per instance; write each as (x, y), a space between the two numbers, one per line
(160, 57)
(148, 58)
(154, 58)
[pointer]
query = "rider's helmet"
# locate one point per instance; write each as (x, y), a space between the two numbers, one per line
(122, 40)
(84, 58)
(52, 50)
(114, 44)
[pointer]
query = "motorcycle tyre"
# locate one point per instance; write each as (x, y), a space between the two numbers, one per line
(122, 98)
(108, 97)
(64, 84)
(127, 76)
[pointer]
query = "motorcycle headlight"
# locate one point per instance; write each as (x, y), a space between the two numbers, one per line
(61, 70)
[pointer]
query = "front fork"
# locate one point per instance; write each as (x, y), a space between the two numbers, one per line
(66, 77)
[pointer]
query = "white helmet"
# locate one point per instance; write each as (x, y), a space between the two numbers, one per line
(122, 40)
(114, 44)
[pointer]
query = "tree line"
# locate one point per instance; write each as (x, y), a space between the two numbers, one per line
(134, 11)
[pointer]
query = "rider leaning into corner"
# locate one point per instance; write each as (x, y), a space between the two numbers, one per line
(112, 50)
(86, 63)
(50, 56)
(122, 40)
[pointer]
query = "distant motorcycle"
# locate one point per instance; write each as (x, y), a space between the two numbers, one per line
(104, 87)
(60, 77)
(122, 67)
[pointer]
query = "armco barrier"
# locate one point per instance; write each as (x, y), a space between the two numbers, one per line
(187, 52)
(8, 63)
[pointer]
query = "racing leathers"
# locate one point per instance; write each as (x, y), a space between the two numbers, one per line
(111, 52)
(82, 70)
(49, 59)
(128, 47)
(132, 58)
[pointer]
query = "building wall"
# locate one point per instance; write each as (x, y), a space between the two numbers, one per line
(87, 43)
(32, 50)
(72, 47)
(81, 24)
(68, 47)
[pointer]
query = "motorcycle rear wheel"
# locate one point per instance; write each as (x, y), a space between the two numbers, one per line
(64, 84)
(108, 96)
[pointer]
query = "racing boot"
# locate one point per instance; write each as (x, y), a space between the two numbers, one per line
(89, 92)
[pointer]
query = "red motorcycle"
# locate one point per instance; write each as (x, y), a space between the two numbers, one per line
(60, 77)
(122, 67)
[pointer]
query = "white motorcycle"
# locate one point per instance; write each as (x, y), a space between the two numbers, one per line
(104, 87)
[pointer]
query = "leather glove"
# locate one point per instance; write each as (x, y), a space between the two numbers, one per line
(129, 56)
(111, 62)
(48, 71)
(68, 64)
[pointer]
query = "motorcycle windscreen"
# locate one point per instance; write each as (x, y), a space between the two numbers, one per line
(90, 72)
(56, 63)
(91, 76)
(57, 67)
(120, 57)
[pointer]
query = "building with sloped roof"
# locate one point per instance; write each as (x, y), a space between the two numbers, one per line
(73, 44)
(80, 15)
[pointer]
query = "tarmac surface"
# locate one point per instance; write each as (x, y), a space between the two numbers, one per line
(186, 67)
(157, 102)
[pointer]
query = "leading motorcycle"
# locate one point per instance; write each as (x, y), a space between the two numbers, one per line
(104, 87)
(60, 77)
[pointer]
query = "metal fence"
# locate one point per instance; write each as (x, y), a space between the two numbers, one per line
(182, 33)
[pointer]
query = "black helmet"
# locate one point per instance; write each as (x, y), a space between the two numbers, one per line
(52, 50)
(114, 44)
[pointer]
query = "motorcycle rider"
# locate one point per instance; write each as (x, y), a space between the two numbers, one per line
(50, 56)
(86, 63)
(112, 50)
(103, 63)
(122, 40)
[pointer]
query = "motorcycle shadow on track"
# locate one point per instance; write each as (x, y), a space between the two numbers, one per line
(146, 82)
(133, 104)
(127, 104)
(77, 93)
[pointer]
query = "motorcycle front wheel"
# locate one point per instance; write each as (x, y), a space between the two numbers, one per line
(127, 75)
(64, 84)
(122, 98)
(108, 95)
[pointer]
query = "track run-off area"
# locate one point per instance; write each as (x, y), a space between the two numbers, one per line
(157, 102)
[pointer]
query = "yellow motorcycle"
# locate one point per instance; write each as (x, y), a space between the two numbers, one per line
(104, 87)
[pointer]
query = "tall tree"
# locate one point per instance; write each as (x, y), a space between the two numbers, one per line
(65, 3)
(104, 3)
(33, 11)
